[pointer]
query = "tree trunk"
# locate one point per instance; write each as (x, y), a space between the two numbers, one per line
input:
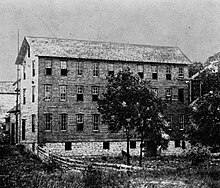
(128, 154)
(141, 150)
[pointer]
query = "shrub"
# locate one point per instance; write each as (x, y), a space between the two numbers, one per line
(197, 154)
(92, 177)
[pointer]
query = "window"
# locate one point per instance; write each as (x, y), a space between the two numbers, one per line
(23, 129)
(33, 68)
(33, 93)
(140, 71)
(48, 121)
(62, 93)
(24, 72)
(111, 126)
(96, 69)
(154, 70)
(63, 122)
(63, 68)
(168, 73)
(79, 93)
(33, 119)
(168, 94)
(110, 69)
(181, 95)
(95, 93)
(181, 121)
(132, 144)
(24, 96)
(28, 51)
(79, 68)
(48, 67)
(183, 144)
(181, 72)
(79, 122)
(106, 145)
(155, 92)
(169, 120)
(177, 143)
(68, 146)
(47, 91)
(96, 118)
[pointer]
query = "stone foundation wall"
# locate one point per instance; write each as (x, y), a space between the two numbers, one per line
(91, 148)
(172, 150)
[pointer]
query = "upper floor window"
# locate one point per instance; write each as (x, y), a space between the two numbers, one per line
(111, 69)
(181, 95)
(63, 122)
(33, 68)
(181, 121)
(28, 51)
(169, 94)
(33, 122)
(63, 68)
(169, 120)
(95, 93)
(96, 69)
(80, 68)
(24, 72)
(48, 67)
(96, 118)
(47, 92)
(24, 96)
(62, 93)
(79, 93)
(181, 72)
(154, 70)
(48, 121)
(79, 122)
(168, 73)
(33, 93)
(140, 71)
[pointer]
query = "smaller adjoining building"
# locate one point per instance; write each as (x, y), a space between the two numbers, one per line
(7, 101)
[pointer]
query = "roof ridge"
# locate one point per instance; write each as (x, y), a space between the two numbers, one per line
(109, 42)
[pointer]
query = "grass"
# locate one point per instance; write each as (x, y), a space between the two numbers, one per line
(22, 169)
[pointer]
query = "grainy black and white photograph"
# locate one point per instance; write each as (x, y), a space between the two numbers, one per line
(110, 94)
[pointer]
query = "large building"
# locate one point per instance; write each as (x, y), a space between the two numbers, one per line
(61, 80)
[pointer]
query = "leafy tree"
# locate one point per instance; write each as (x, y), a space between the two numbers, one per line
(150, 122)
(205, 117)
(210, 81)
(195, 67)
(128, 104)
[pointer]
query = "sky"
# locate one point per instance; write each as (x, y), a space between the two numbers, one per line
(192, 25)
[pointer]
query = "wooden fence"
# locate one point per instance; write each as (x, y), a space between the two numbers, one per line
(74, 164)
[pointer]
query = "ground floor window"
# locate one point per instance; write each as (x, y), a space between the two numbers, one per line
(68, 145)
(106, 145)
(132, 144)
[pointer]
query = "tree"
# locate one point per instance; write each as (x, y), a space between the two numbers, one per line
(126, 103)
(195, 67)
(205, 118)
(150, 122)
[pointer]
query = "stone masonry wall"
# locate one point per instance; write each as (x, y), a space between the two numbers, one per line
(29, 107)
(91, 148)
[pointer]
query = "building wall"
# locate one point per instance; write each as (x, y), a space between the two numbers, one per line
(87, 107)
(29, 107)
(92, 148)
(7, 98)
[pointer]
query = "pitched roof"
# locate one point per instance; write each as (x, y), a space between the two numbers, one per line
(70, 48)
(6, 87)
